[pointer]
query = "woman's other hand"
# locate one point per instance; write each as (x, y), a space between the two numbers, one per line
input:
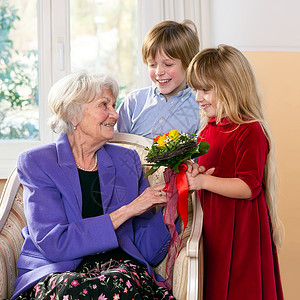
(151, 197)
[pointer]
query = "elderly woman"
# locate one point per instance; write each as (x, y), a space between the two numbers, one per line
(91, 232)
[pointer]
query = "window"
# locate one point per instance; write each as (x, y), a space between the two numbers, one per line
(19, 113)
(25, 75)
(104, 39)
(20, 117)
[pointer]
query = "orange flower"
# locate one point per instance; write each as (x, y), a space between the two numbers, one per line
(155, 139)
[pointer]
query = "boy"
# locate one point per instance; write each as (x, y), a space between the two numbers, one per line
(169, 103)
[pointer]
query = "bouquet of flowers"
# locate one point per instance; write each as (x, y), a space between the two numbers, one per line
(173, 150)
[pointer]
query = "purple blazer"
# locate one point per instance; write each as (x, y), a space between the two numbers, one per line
(57, 237)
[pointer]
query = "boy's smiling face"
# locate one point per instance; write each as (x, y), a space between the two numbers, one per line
(167, 73)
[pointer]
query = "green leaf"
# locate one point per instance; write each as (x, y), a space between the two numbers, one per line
(151, 171)
(203, 148)
(176, 168)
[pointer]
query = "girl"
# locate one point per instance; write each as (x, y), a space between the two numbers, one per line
(241, 226)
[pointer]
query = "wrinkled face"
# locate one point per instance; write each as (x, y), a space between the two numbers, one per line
(207, 102)
(167, 73)
(99, 117)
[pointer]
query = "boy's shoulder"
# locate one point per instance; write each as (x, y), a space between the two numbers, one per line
(138, 97)
(141, 92)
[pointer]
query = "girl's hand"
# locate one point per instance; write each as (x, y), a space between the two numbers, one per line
(194, 181)
(196, 175)
(194, 169)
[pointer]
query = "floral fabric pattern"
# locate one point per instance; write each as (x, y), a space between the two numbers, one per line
(99, 280)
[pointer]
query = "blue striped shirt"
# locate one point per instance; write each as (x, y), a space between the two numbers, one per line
(146, 112)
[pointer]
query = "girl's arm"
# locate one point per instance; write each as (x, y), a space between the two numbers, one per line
(228, 187)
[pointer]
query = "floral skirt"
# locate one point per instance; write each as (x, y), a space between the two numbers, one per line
(99, 279)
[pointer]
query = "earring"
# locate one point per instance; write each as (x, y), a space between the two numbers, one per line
(74, 126)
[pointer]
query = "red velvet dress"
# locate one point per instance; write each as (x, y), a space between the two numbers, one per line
(240, 259)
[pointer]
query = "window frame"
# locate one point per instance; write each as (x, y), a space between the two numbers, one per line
(55, 62)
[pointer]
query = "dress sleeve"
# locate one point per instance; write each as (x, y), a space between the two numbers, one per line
(251, 154)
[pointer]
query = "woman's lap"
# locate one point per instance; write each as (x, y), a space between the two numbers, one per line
(101, 280)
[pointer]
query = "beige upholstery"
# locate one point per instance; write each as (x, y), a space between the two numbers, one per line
(12, 220)
(188, 267)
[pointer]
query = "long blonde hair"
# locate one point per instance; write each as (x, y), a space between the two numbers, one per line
(227, 72)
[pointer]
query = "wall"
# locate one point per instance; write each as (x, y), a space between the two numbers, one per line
(278, 74)
(255, 25)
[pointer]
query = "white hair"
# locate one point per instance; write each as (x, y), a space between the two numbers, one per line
(68, 96)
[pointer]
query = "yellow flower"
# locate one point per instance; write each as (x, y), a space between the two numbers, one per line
(161, 141)
(173, 134)
(155, 139)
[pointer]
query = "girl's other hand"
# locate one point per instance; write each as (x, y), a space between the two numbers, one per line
(194, 182)
(194, 169)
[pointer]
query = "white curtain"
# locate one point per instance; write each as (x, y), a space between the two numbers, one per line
(151, 12)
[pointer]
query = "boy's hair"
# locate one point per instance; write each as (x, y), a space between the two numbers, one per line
(177, 40)
(68, 96)
(227, 72)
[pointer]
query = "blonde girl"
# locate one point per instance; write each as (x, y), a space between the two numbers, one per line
(241, 224)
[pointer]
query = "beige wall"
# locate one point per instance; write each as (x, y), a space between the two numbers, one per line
(278, 74)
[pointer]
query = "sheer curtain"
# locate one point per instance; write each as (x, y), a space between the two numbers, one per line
(155, 11)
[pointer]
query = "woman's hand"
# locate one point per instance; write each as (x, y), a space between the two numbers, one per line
(151, 197)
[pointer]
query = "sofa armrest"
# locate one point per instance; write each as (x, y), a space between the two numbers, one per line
(12, 220)
(194, 249)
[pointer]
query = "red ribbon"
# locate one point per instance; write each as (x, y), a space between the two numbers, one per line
(177, 192)
(183, 193)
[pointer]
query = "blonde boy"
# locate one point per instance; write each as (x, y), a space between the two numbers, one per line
(169, 103)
